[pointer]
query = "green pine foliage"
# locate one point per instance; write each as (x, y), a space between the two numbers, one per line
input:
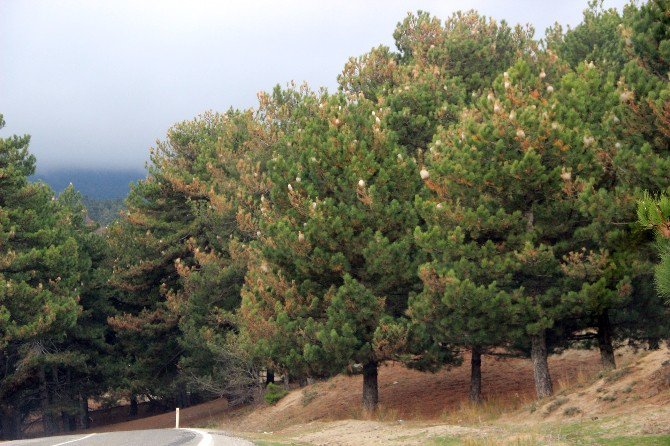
(40, 275)
(598, 39)
(502, 214)
(85, 366)
(472, 190)
(156, 238)
(103, 211)
(336, 240)
(655, 214)
(210, 287)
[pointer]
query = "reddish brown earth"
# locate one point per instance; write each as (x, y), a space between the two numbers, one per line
(412, 395)
(201, 415)
(416, 407)
(404, 395)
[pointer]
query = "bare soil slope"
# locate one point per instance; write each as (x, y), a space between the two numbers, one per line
(411, 395)
(630, 405)
(637, 394)
(206, 414)
(421, 407)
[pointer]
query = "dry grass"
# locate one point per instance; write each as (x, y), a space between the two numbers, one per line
(422, 409)
(569, 381)
(382, 414)
(489, 410)
(526, 440)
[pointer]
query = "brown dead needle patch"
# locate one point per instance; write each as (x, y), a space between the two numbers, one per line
(201, 415)
(406, 394)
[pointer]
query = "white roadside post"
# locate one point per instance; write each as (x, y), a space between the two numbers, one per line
(177, 419)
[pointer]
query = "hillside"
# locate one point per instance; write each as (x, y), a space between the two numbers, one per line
(627, 406)
(630, 405)
(101, 184)
(103, 211)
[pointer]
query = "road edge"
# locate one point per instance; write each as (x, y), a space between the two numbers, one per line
(207, 438)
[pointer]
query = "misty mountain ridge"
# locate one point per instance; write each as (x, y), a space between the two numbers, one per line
(96, 183)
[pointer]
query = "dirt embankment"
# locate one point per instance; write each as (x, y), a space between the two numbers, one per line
(636, 393)
(206, 414)
(416, 406)
(411, 395)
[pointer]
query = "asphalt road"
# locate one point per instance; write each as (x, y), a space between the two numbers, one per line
(152, 437)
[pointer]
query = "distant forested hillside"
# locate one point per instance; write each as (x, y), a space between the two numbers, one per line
(98, 184)
(103, 211)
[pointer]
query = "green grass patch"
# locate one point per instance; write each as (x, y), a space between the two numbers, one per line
(445, 441)
(600, 432)
(274, 393)
(641, 440)
(276, 443)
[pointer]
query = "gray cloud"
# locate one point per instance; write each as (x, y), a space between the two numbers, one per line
(97, 82)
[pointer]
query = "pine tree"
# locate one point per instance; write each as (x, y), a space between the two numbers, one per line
(210, 288)
(86, 367)
(425, 86)
(155, 239)
(39, 279)
(336, 242)
(502, 216)
(601, 270)
(628, 144)
(655, 213)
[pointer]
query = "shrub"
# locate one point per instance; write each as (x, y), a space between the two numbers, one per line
(308, 396)
(571, 411)
(617, 374)
(273, 393)
(555, 405)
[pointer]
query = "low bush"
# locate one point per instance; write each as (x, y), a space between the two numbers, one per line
(274, 393)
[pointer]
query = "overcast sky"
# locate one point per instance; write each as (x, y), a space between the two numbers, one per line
(97, 82)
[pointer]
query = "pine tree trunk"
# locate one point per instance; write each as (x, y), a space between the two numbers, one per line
(476, 376)
(47, 424)
(133, 406)
(184, 395)
(370, 388)
(605, 342)
(182, 398)
(654, 343)
(10, 424)
(84, 420)
(70, 421)
(59, 425)
(538, 353)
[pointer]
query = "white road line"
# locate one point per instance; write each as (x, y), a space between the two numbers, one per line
(207, 438)
(76, 439)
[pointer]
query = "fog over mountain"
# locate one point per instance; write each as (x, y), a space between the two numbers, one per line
(95, 183)
(96, 83)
